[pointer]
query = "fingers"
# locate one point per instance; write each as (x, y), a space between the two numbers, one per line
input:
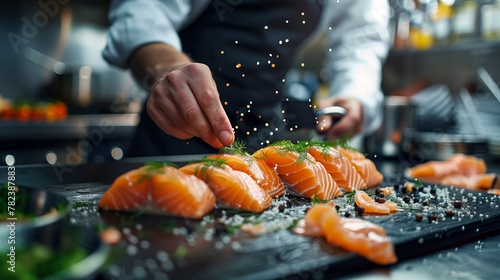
(349, 125)
(186, 104)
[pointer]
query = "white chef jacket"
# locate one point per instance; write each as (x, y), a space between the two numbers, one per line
(357, 30)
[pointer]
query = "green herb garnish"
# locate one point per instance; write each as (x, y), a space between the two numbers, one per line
(285, 146)
(236, 148)
(316, 200)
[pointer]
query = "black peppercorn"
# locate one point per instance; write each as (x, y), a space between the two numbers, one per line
(337, 207)
(433, 191)
(347, 214)
(380, 200)
(378, 191)
(416, 200)
(396, 187)
(457, 204)
(432, 217)
(359, 210)
(449, 213)
(281, 208)
(421, 189)
(406, 199)
(425, 203)
(413, 188)
(220, 229)
(419, 217)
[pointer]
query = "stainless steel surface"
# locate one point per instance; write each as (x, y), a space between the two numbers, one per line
(398, 114)
(440, 146)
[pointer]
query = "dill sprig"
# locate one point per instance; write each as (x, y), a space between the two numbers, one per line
(236, 148)
(316, 200)
(208, 163)
(286, 146)
(156, 166)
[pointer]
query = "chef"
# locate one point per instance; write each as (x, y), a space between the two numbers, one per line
(215, 70)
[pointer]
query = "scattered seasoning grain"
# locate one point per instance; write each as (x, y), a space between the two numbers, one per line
(433, 191)
(359, 210)
(281, 208)
(347, 214)
(432, 217)
(421, 189)
(189, 228)
(380, 200)
(416, 199)
(449, 213)
(337, 207)
(406, 199)
(378, 191)
(419, 217)
(220, 229)
(457, 204)
(425, 203)
(413, 188)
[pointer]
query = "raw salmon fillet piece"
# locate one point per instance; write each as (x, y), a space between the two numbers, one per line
(300, 172)
(473, 182)
(458, 164)
(356, 235)
(181, 194)
(129, 190)
(365, 167)
(371, 206)
(231, 187)
(339, 167)
(260, 172)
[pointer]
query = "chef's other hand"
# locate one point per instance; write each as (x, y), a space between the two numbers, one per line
(186, 104)
(349, 125)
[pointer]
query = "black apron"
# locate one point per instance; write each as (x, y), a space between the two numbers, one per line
(249, 46)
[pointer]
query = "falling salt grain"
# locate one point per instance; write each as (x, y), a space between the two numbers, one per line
(219, 245)
(132, 250)
(126, 231)
(421, 240)
(139, 272)
(266, 27)
(162, 256)
(133, 239)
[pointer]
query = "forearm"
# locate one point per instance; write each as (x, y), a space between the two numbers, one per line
(151, 62)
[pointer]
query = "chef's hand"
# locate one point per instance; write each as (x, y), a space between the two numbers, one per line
(185, 103)
(349, 125)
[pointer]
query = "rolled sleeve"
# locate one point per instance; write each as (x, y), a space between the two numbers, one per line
(138, 22)
(358, 42)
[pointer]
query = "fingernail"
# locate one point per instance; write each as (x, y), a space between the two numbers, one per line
(226, 138)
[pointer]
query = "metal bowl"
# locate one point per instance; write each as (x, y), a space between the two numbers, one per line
(42, 234)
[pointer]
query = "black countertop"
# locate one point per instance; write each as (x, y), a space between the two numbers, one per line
(474, 257)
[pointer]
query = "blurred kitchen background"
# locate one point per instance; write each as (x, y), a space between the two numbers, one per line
(62, 103)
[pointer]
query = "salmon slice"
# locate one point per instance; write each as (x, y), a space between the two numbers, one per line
(365, 167)
(371, 206)
(129, 190)
(260, 172)
(181, 194)
(231, 187)
(473, 182)
(355, 235)
(339, 167)
(300, 172)
(457, 164)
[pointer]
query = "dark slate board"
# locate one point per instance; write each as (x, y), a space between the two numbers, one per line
(278, 255)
